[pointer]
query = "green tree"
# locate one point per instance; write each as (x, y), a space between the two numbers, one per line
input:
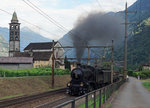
(67, 63)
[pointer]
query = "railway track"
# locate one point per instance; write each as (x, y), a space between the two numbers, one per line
(24, 99)
(55, 103)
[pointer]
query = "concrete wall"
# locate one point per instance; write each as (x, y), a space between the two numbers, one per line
(16, 66)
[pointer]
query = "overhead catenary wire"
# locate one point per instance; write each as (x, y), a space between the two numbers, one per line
(45, 15)
(33, 6)
(98, 3)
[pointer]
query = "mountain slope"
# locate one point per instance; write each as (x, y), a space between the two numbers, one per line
(3, 47)
(26, 36)
(138, 46)
(138, 43)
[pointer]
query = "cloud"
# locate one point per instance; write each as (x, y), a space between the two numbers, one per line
(65, 13)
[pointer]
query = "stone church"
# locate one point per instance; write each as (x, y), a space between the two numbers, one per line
(41, 51)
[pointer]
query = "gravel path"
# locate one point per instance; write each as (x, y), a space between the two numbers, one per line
(133, 95)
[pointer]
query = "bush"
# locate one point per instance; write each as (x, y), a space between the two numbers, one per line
(130, 73)
(143, 74)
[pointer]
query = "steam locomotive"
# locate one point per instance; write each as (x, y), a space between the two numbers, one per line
(86, 78)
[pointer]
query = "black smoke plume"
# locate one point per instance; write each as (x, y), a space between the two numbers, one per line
(97, 26)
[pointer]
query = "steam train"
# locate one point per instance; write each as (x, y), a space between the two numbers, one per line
(86, 78)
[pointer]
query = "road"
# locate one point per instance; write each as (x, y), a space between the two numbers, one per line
(132, 95)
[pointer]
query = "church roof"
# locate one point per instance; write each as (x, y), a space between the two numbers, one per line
(40, 46)
(14, 17)
(42, 55)
(35, 55)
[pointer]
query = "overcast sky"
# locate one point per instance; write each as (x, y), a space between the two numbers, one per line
(64, 12)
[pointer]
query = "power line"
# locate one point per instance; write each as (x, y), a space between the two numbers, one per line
(98, 3)
(33, 6)
(28, 22)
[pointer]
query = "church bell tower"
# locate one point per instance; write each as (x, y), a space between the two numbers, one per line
(14, 35)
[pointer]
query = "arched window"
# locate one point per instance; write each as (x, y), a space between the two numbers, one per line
(16, 38)
(11, 38)
(12, 27)
(16, 27)
(11, 33)
(16, 33)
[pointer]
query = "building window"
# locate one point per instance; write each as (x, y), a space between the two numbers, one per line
(11, 37)
(16, 38)
(12, 27)
(16, 27)
(16, 33)
(11, 33)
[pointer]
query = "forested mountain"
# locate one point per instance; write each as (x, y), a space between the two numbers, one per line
(138, 46)
(139, 41)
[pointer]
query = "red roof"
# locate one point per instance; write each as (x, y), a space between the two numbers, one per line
(13, 60)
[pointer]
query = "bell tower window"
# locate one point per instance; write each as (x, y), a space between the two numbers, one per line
(11, 37)
(16, 38)
(12, 27)
(16, 33)
(16, 27)
(11, 33)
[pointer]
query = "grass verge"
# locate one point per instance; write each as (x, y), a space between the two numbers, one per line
(146, 85)
(91, 102)
(147, 79)
(13, 96)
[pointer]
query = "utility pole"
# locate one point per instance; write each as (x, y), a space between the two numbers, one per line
(88, 61)
(53, 58)
(125, 44)
(125, 41)
(112, 64)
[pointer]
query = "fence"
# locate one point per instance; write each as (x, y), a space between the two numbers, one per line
(94, 99)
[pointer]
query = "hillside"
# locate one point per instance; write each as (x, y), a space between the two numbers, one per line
(3, 47)
(139, 43)
(138, 46)
(27, 36)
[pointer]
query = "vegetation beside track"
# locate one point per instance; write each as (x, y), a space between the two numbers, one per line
(43, 71)
(146, 85)
(143, 74)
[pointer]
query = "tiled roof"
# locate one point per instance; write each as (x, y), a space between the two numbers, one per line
(41, 55)
(35, 55)
(146, 64)
(13, 60)
(40, 46)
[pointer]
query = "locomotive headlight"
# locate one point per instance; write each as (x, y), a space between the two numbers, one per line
(81, 84)
(68, 84)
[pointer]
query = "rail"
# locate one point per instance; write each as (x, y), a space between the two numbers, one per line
(94, 99)
(9, 102)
